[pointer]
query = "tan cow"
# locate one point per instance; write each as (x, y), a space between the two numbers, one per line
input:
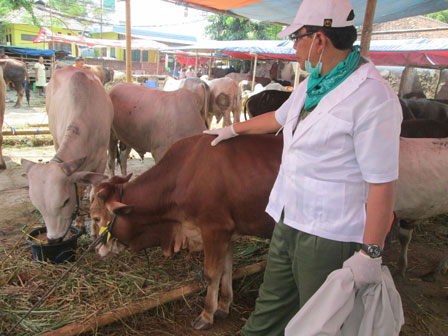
(2, 115)
(196, 197)
(80, 117)
(224, 98)
(195, 85)
(421, 188)
(150, 120)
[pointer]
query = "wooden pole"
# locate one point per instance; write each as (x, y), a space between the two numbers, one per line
(254, 73)
(367, 27)
(138, 307)
(128, 43)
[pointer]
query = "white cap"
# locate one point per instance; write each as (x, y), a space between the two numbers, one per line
(322, 13)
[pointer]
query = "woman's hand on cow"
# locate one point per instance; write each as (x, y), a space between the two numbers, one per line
(222, 134)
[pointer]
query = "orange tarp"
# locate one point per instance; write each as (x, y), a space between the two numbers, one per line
(224, 4)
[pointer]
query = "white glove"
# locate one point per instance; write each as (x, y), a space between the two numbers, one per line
(222, 134)
(366, 270)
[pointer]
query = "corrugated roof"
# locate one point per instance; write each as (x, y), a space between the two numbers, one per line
(157, 36)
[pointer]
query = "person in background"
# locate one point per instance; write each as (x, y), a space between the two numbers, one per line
(79, 63)
(334, 194)
(41, 78)
(182, 74)
(190, 72)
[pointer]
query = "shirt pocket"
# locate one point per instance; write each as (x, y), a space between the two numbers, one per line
(323, 201)
(337, 133)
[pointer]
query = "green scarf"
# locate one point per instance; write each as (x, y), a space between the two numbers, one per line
(320, 86)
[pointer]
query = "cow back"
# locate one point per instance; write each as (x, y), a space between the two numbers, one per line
(79, 116)
(150, 120)
(265, 101)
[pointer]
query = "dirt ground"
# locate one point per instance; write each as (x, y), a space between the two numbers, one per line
(424, 296)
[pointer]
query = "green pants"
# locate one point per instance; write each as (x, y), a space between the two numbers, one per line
(298, 264)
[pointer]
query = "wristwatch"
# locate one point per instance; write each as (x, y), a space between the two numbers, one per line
(373, 251)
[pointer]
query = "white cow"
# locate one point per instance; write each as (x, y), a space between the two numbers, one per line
(80, 117)
(421, 187)
(224, 98)
(150, 120)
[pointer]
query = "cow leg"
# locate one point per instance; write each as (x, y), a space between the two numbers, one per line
(2, 161)
(226, 285)
(216, 244)
(113, 147)
(227, 120)
(124, 154)
(404, 236)
(20, 92)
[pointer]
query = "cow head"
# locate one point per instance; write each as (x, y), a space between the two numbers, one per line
(52, 191)
(105, 205)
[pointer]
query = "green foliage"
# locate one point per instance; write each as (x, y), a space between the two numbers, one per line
(441, 16)
(7, 6)
(61, 9)
(228, 28)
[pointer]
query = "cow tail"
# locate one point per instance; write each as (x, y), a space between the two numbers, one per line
(27, 84)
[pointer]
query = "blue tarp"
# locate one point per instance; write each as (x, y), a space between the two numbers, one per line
(30, 51)
(382, 52)
(284, 11)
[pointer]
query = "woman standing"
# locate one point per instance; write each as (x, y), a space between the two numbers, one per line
(41, 79)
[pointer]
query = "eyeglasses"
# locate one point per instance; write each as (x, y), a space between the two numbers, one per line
(297, 37)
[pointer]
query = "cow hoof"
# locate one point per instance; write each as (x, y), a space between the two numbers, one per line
(200, 324)
(220, 314)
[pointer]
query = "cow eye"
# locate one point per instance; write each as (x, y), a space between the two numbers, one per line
(96, 219)
(65, 202)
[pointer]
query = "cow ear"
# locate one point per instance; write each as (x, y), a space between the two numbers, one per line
(119, 208)
(103, 192)
(27, 164)
(70, 167)
(87, 178)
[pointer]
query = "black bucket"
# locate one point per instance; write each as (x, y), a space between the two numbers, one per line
(55, 253)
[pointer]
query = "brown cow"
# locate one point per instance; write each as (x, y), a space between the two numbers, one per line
(150, 120)
(15, 72)
(2, 115)
(105, 74)
(196, 197)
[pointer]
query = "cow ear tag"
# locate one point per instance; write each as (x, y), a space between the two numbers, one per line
(104, 228)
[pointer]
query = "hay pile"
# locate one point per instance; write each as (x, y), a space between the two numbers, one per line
(95, 285)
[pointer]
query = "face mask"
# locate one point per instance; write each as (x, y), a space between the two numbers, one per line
(314, 72)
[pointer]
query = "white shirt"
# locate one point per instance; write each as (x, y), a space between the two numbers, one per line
(350, 138)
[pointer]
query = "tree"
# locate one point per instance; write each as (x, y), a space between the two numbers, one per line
(7, 6)
(224, 27)
(441, 16)
(84, 11)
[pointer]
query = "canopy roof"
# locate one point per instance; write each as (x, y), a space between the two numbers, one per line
(382, 52)
(284, 11)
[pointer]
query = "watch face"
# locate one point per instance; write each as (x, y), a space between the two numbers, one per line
(374, 251)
